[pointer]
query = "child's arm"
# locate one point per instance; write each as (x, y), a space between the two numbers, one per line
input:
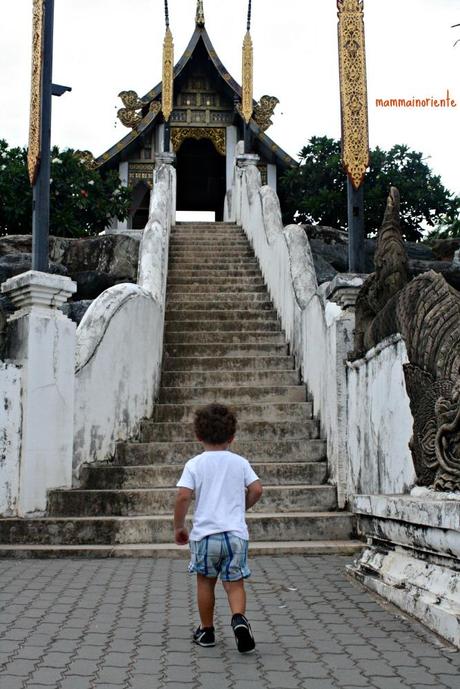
(183, 500)
(253, 493)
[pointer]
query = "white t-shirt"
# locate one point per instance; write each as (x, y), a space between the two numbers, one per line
(219, 480)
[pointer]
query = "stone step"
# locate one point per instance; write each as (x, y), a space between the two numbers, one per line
(229, 378)
(211, 224)
(243, 398)
(167, 475)
(195, 315)
(203, 260)
(257, 451)
(188, 308)
(217, 301)
(201, 300)
(215, 253)
(159, 501)
(263, 326)
(247, 430)
(216, 282)
(208, 232)
(172, 551)
(225, 337)
(216, 273)
(184, 358)
(240, 242)
(217, 288)
(307, 526)
(177, 407)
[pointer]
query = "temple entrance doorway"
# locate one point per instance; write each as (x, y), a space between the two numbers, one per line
(200, 177)
(139, 212)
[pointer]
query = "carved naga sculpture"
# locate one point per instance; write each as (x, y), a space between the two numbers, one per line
(426, 312)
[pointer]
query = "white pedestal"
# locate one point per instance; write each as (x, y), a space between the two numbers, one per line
(42, 343)
(412, 556)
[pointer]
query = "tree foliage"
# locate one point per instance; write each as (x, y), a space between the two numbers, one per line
(82, 200)
(316, 191)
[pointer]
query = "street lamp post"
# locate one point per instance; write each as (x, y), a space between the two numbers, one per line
(39, 158)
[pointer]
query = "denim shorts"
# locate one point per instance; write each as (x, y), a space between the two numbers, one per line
(220, 554)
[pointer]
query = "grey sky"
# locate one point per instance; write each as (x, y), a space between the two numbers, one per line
(105, 46)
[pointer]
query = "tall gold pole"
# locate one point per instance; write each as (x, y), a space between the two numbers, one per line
(353, 90)
(355, 124)
(167, 92)
(247, 103)
(168, 75)
(33, 157)
(248, 78)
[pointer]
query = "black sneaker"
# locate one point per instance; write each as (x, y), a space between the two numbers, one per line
(204, 637)
(243, 634)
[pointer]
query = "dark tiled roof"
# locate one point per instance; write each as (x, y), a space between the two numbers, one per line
(112, 156)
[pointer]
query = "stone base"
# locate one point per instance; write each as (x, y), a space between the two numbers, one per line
(413, 556)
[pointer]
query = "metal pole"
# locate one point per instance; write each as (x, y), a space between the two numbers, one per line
(356, 231)
(167, 137)
(41, 189)
(247, 138)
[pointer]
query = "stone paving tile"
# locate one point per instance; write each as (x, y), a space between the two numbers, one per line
(126, 624)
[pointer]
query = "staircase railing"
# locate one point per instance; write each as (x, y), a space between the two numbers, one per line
(319, 331)
(120, 341)
(363, 408)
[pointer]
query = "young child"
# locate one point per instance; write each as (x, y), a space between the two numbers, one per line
(225, 486)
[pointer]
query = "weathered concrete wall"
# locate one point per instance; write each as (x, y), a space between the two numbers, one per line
(413, 554)
(41, 340)
(120, 342)
(363, 409)
(10, 437)
(379, 422)
(319, 331)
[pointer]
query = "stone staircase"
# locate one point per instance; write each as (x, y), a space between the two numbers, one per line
(223, 342)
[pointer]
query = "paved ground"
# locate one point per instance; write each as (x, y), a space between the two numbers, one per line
(126, 624)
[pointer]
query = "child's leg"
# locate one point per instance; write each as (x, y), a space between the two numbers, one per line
(236, 595)
(206, 599)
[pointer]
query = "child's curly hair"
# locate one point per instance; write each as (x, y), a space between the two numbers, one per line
(215, 424)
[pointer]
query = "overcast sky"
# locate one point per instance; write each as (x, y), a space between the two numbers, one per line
(105, 46)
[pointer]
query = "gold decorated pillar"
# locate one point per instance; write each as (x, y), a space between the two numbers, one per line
(354, 115)
(167, 93)
(247, 97)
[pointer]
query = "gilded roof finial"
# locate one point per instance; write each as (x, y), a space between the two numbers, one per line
(200, 13)
(247, 105)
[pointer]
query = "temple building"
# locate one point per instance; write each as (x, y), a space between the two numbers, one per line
(203, 130)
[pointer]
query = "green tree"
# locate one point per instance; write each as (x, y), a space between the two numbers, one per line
(316, 191)
(82, 200)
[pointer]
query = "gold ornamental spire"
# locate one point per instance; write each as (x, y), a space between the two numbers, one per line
(200, 13)
(353, 90)
(33, 156)
(168, 75)
(247, 106)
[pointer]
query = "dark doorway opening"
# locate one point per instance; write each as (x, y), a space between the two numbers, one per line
(200, 177)
(140, 206)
